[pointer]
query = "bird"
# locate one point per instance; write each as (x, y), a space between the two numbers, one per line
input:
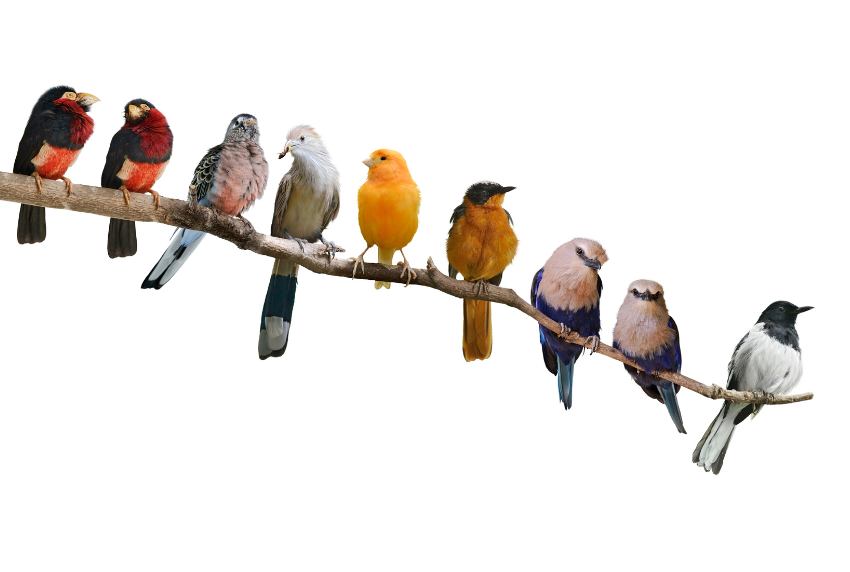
(137, 157)
(307, 201)
(568, 289)
(56, 132)
(481, 244)
(768, 362)
(647, 334)
(230, 177)
(388, 210)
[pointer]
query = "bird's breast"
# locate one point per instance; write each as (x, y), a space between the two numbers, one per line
(240, 179)
(305, 211)
(481, 243)
(764, 363)
(140, 177)
(388, 213)
(52, 162)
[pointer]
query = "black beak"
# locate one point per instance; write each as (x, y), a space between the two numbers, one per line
(804, 309)
(506, 189)
(593, 263)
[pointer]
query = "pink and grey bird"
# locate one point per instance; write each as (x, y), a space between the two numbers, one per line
(137, 157)
(646, 333)
(307, 201)
(229, 178)
(568, 289)
(56, 132)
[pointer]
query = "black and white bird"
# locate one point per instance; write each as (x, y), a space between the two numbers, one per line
(766, 361)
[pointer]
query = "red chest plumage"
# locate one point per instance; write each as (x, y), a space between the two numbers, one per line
(52, 162)
(140, 177)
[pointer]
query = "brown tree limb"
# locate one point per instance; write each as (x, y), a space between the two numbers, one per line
(110, 203)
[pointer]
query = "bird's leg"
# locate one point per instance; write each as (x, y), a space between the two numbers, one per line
(759, 394)
(361, 261)
(156, 198)
(193, 197)
(406, 268)
(565, 331)
(247, 222)
(330, 246)
(482, 286)
(38, 181)
(301, 242)
(68, 184)
(594, 345)
(124, 190)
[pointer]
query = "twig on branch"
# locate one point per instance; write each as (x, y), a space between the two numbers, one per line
(110, 203)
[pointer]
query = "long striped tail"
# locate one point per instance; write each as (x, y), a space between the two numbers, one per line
(565, 382)
(668, 394)
(477, 330)
(277, 310)
(122, 238)
(385, 257)
(32, 225)
(711, 450)
(181, 248)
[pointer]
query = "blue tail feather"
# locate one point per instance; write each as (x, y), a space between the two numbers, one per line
(668, 394)
(277, 316)
(565, 382)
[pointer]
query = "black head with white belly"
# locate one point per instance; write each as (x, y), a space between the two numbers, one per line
(782, 313)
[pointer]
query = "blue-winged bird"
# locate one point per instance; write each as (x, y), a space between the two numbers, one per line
(766, 361)
(56, 131)
(568, 289)
(480, 246)
(647, 334)
(229, 178)
(307, 201)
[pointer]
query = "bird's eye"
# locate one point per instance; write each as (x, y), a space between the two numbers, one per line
(579, 251)
(70, 95)
(781, 308)
(383, 158)
(303, 138)
(634, 291)
(145, 107)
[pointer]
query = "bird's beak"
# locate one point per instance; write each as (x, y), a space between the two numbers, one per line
(369, 162)
(86, 99)
(593, 263)
(286, 150)
(135, 112)
(804, 309)
(506, 189)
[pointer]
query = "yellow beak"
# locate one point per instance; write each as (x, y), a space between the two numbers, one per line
(86, 98)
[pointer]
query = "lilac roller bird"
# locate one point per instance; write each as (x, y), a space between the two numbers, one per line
(647, 334)
(568, 289)
(229, 178)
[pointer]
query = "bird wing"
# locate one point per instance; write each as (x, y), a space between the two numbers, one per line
(677, 348)
(204, 176)
(35, 135)
(550, 359)
(457, 214)
(284, 190)
(119, 148)
(333, 208)
(732, 381)
(510, 218)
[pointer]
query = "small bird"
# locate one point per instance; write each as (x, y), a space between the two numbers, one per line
(307, 201)
(568, 289)
(767, 361)
(56, 131)
(647, 334)
(137, 157)
(229, 178)
(388, 204)
(480, 246)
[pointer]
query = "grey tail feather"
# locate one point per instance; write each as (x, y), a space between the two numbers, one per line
(718, 464)
(32, 225)
(171, 260)
(277, 316)
(698, 450)
(122, 238)
(668, 394)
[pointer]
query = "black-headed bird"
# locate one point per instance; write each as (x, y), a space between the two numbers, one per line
(646, 333)
(481, 244)
(568, 289)
(767, 361)
(307, 201)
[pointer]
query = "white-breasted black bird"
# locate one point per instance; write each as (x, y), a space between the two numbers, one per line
(766, 361)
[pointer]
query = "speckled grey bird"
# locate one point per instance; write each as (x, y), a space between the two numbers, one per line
(229, 178)
(307, 201)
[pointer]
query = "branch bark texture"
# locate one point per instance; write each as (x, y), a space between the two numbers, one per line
(110, 203)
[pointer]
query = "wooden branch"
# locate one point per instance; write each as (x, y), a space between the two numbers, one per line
(110, 203)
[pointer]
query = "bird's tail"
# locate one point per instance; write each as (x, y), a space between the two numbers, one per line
(122, 238)
(668, 395)
(181, 248)
(385, 257)
(32, 225)
(565, 382)
(277, 311)
(477, 330)
(711, 449)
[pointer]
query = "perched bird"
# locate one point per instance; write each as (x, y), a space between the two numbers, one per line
(388, 204)
(57, 129)
(307, 201)
(480, 246)
(647, 334)
(766, 361)
(137, 157)
(229, 178)
(567, 289)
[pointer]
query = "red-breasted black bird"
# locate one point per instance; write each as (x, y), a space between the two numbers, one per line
(57, 129)
(137, 157)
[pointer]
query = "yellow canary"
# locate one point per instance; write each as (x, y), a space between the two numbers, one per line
(388, 204)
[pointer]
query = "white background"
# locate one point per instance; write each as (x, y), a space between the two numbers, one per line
(704, 147)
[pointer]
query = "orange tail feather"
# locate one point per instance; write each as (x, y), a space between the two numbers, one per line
(477, 330)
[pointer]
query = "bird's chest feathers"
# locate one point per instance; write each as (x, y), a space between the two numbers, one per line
(482, 242)
(140, 177)
(52, 162)
(154, 141)
(764, 363)
(240, 178)
(569, 288)
(643, 333)
(306, 207)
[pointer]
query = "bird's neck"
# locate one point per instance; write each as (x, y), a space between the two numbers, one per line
(156, 136)
(570, 288)
(82, 125)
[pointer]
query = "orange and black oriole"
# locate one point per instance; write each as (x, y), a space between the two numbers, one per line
(480, 246)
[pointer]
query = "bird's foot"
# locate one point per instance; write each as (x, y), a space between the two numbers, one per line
(301, 242)
(332, 248)
(156, 197)
(68, 184)
(761, 395)
(124, 190)
(193, 197)
(482, 286)
(565, 331)
(594, 344)
(405, 267)
(38, 181)
(248, 223)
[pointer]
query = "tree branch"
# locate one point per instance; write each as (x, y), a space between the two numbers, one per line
(110, 203)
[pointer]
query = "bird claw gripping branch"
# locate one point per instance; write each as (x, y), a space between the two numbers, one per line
(565, 331)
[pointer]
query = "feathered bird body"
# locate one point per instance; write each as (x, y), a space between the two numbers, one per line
(647, 334)
(568, 290)
(307, 201)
